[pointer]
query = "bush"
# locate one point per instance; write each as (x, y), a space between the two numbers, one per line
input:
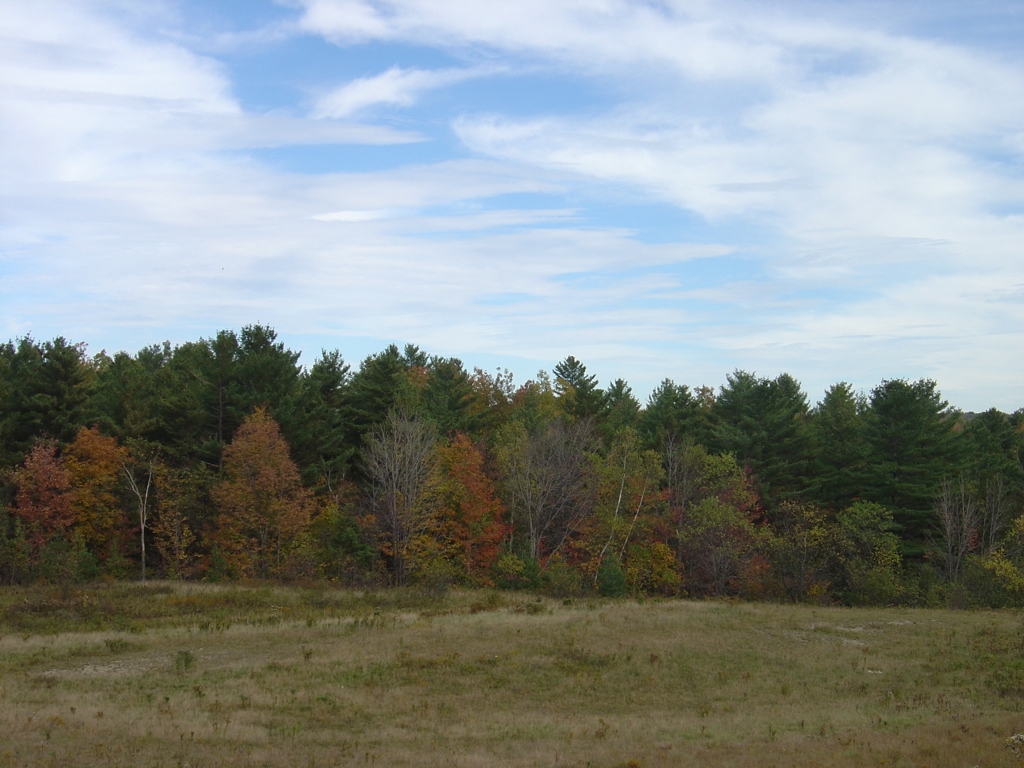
(988, 582)
(513, 572)
(611, 581)
(923, 587)
(559, 580)
(64, 562)
(436, 577)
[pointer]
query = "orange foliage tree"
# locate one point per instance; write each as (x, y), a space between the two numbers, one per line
(43, 499)
(471, 519)
(262, 500)
(94, 464)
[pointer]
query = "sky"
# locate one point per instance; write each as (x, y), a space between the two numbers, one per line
(660, 188)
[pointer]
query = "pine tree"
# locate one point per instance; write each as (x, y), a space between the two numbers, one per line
(578, 393)
(910, 439)
(763, 421)
(839, 448)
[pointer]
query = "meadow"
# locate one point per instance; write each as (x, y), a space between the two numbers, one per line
(198, 675)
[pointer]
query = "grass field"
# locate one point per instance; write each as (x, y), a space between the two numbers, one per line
(209, 675)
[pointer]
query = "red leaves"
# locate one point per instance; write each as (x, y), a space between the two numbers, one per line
(44, 496)
(472, 517)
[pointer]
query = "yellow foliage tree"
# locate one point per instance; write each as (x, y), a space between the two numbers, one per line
(93, 461)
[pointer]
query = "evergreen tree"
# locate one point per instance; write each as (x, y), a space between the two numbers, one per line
(621, 410)
(992, 461)
(44, 391)
(381, 385)
(672, 413)
(839, 449)
(763, 421)
(266, 374)
(126, 398)
(325, 454)
(577, 392)
(448, 396)
(909, 430)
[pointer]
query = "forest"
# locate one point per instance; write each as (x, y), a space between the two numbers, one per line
(226, 459)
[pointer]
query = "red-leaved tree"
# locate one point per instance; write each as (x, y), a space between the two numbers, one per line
(43, 499)
(471, 519)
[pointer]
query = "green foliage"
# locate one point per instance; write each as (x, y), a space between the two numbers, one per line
(218, 568)
(910, 438)
(323, 452)
(578, 393)
(763, 422)
(513, 572)
(621, 410)
(381, 385)
(127, 396)
(448, 396)
(15, 552)
(798, 548)
(115, 565)
(44, 391)
(865, 560)
(672, 415)
(66, 562)
(611, 581)
(716, 540)
(561, 580)
(341, 549)
(839, 448)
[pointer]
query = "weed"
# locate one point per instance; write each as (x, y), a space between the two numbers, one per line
(116, 645)
(183, 661)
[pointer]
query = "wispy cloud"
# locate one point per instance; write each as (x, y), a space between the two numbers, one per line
(850, 198)
(395, 87)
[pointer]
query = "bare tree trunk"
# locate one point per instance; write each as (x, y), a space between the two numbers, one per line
(399, 460)
(141, 493)
(546, 478)
(958, 518)
(994, 513)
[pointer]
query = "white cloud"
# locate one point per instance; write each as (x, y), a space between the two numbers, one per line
(695, 37)
(397, 86)
(351, 216)
(884, 169)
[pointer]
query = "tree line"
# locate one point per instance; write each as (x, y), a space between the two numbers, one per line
(226, 458)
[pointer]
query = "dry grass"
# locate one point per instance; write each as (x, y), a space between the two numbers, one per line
(246, 676)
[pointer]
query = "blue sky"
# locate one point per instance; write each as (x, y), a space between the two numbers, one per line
(661, 189)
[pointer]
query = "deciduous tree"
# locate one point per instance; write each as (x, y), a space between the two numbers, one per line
(262, 500)
(545, 478)
(399, 460)
(94, 463)
(43, 500)
(471, 518)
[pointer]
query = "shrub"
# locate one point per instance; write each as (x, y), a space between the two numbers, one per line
(611, 581)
